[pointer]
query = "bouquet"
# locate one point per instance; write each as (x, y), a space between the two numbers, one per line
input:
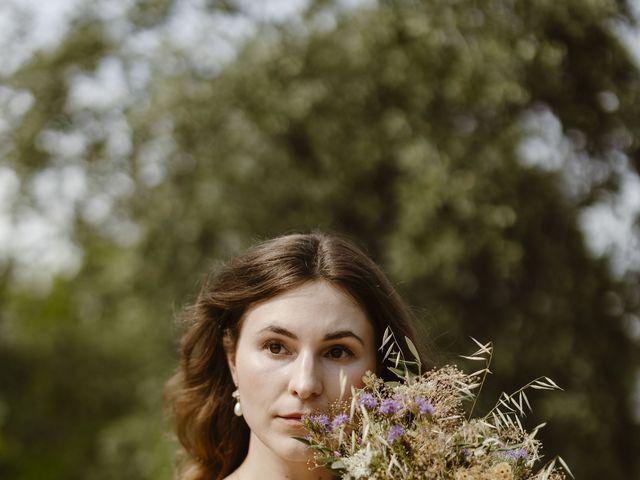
(417, 428)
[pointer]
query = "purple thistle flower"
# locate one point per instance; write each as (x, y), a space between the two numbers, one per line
(338, 420)
(368, 400)
(424, 406)
(517, 454)
(321, 421)
(389, 406)
(394, 432)
(465, 452)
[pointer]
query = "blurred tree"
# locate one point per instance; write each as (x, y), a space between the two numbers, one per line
(403, 124)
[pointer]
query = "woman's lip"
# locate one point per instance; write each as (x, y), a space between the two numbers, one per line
(297, 415)
(292, 420)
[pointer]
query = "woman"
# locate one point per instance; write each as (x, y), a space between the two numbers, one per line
(273, 335)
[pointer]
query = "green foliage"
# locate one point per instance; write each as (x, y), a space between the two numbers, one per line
(400, 125)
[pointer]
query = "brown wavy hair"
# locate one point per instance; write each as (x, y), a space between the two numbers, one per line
(213, 440)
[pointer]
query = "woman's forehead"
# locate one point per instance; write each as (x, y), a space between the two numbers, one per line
(314, 307)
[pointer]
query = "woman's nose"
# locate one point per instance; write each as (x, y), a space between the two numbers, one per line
(305, 380)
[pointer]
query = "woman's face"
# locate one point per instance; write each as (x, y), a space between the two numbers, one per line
(288, 358)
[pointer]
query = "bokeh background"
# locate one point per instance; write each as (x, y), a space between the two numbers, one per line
(485, 152)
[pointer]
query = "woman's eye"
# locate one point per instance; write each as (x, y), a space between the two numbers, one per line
(275, 348)
(338, 353)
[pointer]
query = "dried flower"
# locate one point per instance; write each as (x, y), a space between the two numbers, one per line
(501, 471)
(368, 400)
(389, 406)
(339, 420)
(319, 423)
(394, 432)
(517, 454)
(439, 439)
(424, 406)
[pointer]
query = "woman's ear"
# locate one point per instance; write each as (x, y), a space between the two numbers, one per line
(230, 351)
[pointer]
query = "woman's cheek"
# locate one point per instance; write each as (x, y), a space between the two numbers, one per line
(351, 373)
(355, 376)
(258, 364)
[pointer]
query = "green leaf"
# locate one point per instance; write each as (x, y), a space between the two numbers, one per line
(414, 350)
(303, 440)
(400, 373)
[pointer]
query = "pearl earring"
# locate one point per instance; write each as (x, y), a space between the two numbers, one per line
(237, 408)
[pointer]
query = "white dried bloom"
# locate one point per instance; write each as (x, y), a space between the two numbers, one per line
(357, 465)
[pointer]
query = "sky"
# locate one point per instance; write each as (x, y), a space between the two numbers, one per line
(38, 237)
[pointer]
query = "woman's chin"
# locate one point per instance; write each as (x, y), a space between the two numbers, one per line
(294, 450)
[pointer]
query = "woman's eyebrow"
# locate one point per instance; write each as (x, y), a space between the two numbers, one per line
(278, 330)
(329, 336)
(343, 334)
